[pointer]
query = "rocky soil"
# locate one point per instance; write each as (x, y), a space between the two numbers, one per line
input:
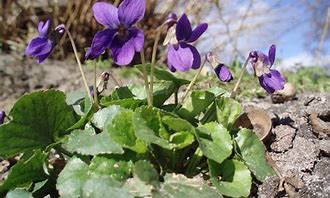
(298, 148)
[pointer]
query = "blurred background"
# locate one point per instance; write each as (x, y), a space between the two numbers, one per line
(299, 28)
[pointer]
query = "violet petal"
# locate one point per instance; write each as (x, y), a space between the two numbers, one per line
(138, 38)
(123, 51)
(272, 54)
(198, 31)
(183, 28)
(2, 117)
(196, 56)
(131, 11)
(43, 28)
(223, 73)
(38, 46)
(106, 14)
(180, 58)
(272, 82)
(101, 41)
(42, 58)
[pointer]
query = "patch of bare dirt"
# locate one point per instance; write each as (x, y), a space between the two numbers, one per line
(299, 150)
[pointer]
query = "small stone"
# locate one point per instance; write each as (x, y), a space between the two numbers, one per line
(284, 136)
(300, 158)
(286, 94)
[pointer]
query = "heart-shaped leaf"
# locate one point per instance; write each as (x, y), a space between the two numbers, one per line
(38, 119)
(253, 152)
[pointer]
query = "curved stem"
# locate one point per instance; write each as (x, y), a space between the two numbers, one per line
(114, 79)
(145, 76)
(153, 62)
(96, 101)
(233, 93)
(190, 85)
(79, 63)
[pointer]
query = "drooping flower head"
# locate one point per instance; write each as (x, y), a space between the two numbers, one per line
(181, 54)
(270, 79)
(2, 117)
(121, 36)
(220, 69)
(43, 45)
(171, 20)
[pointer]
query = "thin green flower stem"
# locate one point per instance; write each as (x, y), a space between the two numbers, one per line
(145, 77)
(191, 85)
(114, 79)
(193, 163)
(176, 99)
(96, 101)
(233, 93)
(79, 63)
(153, 62)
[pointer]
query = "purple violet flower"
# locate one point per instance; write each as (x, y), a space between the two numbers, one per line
(42, 46)
(223, 73)
(270, 79)
(220, 69)
(120, 35)
(181, 54)
(2, 117)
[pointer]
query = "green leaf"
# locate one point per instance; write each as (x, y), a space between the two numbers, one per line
(210, 115)
(25, 172)
(38, 119)
(100, 118)
(19, 193)
(177, 124)
(138, 188)
(148, 127)
(178, 186)
(199, 102)
(82, 105)
(122, 93)
(214, 141)
(235, 177)
(86, 142)
(129, 103)
(161, 74)
(72, 178)
(162, 91)
(253, 153)
(117, 170)
(104, 186)
(182, 139)
(76, 99)
(217, 91)
(228, 110)
(80, 180)
(146, 172)
(87, 107)
(122, 131)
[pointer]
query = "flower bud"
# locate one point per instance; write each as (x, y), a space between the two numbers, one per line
(220, 69)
